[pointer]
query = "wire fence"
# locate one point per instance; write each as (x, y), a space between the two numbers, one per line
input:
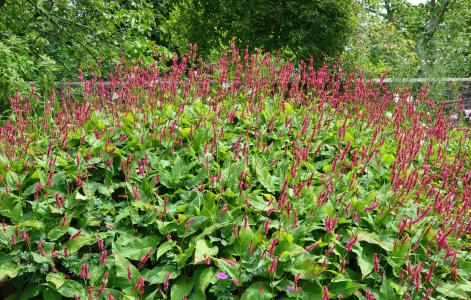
(452, 87)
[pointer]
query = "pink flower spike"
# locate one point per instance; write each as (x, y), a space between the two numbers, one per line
(84, 272)
(221, 275)
(136, 192)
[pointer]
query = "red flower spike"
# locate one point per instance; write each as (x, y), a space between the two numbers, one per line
(76, 235)
(325, 293)
(129, 274)
(376, 262)
(84, 272)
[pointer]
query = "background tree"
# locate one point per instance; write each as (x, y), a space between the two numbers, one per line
(53, 39)
(301, 28)
(432, 38)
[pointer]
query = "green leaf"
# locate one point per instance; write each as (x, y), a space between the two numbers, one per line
(264, 177)
(158, 274)
(386, 291)
(202, 250)
(8, 270)
(182, 287)
(17, 214)
(105, 190)
(456, 290)
(464, 269)
(397, 257)
(373, 238)
(31, 223)
(71, 288)
(57, 279)
(49, 294)
(90, 187)
(57, 232)
(122, 265)
(226, 267)
(31, 291)
(364, 258)
(345, 288)
(243, 240)
(205, 278)
(254, 292)
(312, 290)
(135, 248)
(81, 241)
(306, 267)
(209, 206)
(168, 245)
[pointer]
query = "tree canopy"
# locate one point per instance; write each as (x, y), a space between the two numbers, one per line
(302, 28)
(48, 40)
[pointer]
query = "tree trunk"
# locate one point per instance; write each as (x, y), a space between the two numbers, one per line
(437, 14)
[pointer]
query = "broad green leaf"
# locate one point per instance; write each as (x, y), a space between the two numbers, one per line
(312, 290)
(49, 294)
(135, 248)
(306, 267)
(203, 250)
(206, 277)
(90, 187)
(168, 245)
(243, 240)
(31, 291)
(71, 288)
(455, 291)
(344, 288)
(364, 258)
(397, 257)
(17, 214)
(182, 287)
(31, 223)
(57, 232)
(57, 279)
(264, 177)
(386, 291)
(259, 290)
(81, 241)
(209, 206)
(373, 238)
(158, 274)
(464, 269)
(8, 270)
(226, 267)
(105, 190)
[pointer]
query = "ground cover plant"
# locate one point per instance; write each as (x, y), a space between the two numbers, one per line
(248, 178)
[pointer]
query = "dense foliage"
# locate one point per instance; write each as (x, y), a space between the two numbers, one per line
(427, 40)
(299, 28)
(52, 40)
(243, 179)
(44, 41)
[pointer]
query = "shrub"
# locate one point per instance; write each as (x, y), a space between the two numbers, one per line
(245, 179)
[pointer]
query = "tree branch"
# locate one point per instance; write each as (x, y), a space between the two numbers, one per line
(436, 17)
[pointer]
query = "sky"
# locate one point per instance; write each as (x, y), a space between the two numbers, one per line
(415, 2)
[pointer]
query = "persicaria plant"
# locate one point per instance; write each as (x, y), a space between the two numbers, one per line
(247, 178)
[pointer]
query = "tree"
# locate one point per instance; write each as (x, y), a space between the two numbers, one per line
(378, 46)
(64, 36)
(438, 35)
(306, 27)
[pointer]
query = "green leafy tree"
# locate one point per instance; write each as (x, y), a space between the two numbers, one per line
(301, 28)
(63, 36)
(377, 46)
(431, 39)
